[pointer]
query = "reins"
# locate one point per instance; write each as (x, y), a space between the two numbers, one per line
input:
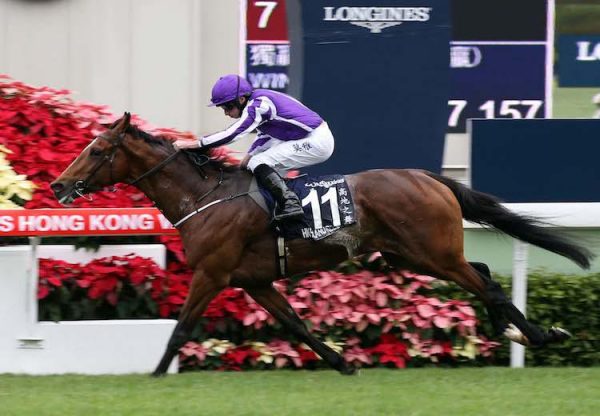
(155, 168)
(82, 185)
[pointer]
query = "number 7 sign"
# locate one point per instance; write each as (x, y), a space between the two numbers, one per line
(266, 21)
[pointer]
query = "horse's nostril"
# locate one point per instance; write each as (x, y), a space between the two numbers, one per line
(57, 187)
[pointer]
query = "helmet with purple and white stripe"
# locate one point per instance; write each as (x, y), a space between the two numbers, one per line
(229, 88)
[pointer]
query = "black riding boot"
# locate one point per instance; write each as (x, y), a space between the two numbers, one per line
(288, 204)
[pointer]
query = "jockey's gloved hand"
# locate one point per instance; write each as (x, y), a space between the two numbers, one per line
(186, 144)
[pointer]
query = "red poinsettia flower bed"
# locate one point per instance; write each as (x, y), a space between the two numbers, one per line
(46, 130)
(113, 287)
(374, 319)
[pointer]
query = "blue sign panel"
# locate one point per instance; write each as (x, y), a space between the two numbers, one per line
(496, 81)
(579, 61)
(266, 65)
(499, 60)
(537, 160)
(378, 74)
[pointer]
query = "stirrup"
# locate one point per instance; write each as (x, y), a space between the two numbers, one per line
(299, 213)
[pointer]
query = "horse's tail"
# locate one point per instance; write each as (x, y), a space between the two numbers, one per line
(486, 210)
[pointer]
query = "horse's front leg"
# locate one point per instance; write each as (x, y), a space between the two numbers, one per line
(202, 290)
(278, 306)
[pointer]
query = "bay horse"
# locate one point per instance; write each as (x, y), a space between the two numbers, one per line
(413, 217)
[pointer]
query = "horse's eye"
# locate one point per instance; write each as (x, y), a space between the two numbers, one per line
(95, 152)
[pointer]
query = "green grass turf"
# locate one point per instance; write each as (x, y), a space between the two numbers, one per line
(433, 391)
(575, 18)
(573, 102)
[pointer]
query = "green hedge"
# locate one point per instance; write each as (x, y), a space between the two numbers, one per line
(578, 19)
(568, 301)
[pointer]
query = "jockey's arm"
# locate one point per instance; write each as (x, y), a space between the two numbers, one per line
(253, 115)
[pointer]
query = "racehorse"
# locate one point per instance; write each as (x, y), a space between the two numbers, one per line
(413, 217)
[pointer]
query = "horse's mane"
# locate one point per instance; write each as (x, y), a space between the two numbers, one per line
(220, 157)
(147, 137)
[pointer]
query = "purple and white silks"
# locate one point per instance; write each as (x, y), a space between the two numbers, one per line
(274, 115)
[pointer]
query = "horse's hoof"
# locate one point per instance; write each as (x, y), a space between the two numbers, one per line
(158, 374)
(557, 334)
(349, 370)
(514, 334)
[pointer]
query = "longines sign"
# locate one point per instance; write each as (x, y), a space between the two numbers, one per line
(377, 18)
(579, 60)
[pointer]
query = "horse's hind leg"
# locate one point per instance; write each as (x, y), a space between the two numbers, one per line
(501, 307)
(497, 319)
(498, 303)
(278, 306)
(478, 282)
(476, 279)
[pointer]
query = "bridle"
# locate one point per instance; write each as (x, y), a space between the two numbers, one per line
(80, 187)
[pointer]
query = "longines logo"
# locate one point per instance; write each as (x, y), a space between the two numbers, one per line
(588, 52)
(377, 18)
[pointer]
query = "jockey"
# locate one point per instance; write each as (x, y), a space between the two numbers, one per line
(290, 136)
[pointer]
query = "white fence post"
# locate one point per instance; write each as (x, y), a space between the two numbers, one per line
(519, 296)
(31, 338)
(32, 282)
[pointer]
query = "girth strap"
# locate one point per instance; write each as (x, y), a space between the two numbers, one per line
(281, 256)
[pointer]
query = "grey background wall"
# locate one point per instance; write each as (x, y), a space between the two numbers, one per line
(156, 58)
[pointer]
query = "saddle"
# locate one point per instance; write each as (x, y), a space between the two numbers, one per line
(326, 201)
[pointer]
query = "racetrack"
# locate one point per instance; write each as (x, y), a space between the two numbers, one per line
(433, 391)
(573, 102)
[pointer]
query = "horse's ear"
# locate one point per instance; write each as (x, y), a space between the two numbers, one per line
(127, 118)
(123, 123)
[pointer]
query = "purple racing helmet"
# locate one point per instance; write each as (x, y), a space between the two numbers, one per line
(229, 88)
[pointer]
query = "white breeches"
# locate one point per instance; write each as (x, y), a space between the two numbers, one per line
(281, 155)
